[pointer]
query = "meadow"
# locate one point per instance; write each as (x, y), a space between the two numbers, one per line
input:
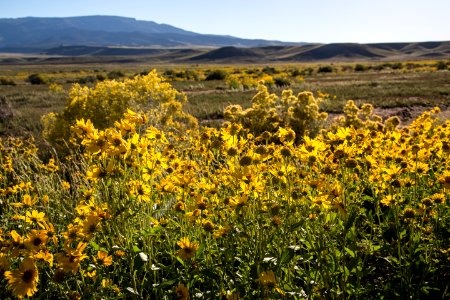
(407, 88)
(225, 182)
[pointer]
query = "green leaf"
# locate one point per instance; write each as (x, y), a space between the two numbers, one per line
(180, 260)
(155, 230)
(200, 249)
(392, 260)
(287, 256)
(403, 233)
(375, 248)
(308, 245)
(350, 221)
(350, 252)
(94, 245)
(346, 272)
(296, 225)
(167, 283)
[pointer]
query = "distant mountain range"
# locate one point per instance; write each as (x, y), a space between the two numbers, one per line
(119, 39)
(37, 34)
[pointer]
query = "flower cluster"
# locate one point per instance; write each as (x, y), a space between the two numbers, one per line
(106, 102)
(269, 112)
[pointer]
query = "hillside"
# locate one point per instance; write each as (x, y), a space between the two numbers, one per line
(32, 34)
(229, 54)
(329, 52)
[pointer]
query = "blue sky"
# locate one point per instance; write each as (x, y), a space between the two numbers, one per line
(326, 21)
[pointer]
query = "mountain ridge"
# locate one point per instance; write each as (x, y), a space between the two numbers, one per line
(44, 33)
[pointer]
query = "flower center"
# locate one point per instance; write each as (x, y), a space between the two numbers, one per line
(27, 276)
(37, 241)
(92, 228)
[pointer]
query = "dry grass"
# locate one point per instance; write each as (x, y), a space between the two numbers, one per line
(416, 84)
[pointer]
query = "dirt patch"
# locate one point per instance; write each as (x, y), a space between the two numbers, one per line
(406, 114)
(410, 113)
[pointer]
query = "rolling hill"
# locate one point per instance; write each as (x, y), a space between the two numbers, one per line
(329, 52)
(230, 54)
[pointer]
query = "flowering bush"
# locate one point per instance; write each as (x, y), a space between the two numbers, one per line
(108, 100)
(269, 112)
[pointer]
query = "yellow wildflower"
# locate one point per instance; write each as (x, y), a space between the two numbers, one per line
(188, 248)
(23, 282)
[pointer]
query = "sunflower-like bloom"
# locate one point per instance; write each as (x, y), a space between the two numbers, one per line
(35, 217)
(444, 179)
(84, 129)
(45, 256)
(115, 139)
(140, 190)
(73, 233)
(135, 118)
(91, 225)
(103, 259)
(51, 166)
(51, 233)
(28, 201)
(70, 260)
(23, 282)
(188, 248)
(15, 244)
(286, 136)
(36, 240)
(125, 127)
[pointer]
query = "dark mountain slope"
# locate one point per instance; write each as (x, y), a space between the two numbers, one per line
(45, 33)
(330, 51)
(230, 52)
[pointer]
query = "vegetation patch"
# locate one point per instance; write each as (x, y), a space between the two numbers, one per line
(273, 203)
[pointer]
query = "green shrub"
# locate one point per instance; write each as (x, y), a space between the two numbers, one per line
(36, 79)
(114, 75)
(216, 75)
(307, 71)
(251, 71)
(360, 68)
(295, 73)
(169, 73)
(87, 79)
(282, 81)
(270, 70)
(100, 77)
(441, 65)
(397, 66)
(191, 75)
(325, 69)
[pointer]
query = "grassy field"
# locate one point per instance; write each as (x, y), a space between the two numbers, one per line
(385, 85)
